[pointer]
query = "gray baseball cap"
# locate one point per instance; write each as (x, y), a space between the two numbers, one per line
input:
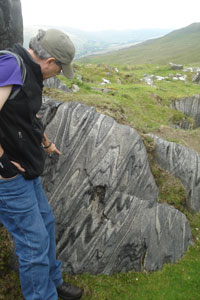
(59, 45)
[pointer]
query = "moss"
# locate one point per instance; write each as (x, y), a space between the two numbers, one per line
(5, 251)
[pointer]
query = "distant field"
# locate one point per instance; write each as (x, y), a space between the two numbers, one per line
(180, 46)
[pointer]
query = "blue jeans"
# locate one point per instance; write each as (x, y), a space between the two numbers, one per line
(25, 212)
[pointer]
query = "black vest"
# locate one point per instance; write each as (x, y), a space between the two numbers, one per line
(21, 131)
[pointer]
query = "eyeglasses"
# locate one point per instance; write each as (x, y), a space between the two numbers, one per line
(59, 65)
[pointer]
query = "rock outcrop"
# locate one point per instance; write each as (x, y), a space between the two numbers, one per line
(11, 24)
(176, 67)
(149, 79)
(196, 78)
(182, 163)
(104, 197)
(54, 82)
(101, 189)
(190, 106)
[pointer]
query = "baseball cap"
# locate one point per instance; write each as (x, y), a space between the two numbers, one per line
(59, 45)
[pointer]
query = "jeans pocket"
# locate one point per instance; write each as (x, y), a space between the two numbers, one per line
(9, 179)
(17, 194)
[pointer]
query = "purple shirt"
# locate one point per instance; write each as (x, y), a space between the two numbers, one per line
(10, 73)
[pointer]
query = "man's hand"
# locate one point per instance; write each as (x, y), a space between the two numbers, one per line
(7, 170)
(17, 165)
(49, 147)
(52, 149)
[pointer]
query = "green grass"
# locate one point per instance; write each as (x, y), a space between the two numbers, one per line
(174, 282)
(178, 281)
(146, 109)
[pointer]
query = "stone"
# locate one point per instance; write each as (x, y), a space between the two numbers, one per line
(104, 197)
(148, 79)
(54, 82)
(104, 90)
(176, 67)
(183, 78)
(160, 78)
(11, 23)
(190, 106)
(196, 78)
(75, 88)
(190, 69)
(79, 77)
(48, 110)
(182, 163)
(105, 81)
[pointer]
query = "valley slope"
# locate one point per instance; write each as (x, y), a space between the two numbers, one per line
(180, 46)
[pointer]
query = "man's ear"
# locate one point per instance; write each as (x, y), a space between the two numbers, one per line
(50, 60)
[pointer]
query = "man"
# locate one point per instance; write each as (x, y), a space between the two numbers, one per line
(24, 209)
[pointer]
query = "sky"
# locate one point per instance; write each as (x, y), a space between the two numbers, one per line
(92, 15)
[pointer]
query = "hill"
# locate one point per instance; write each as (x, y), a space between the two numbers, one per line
(95, 42)
(180, 46)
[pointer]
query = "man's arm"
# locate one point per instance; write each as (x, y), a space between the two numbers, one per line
(49, 147)
(4, 94)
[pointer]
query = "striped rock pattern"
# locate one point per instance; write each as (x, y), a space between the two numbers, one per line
(183, 163)
(190, 106)
(104, 197)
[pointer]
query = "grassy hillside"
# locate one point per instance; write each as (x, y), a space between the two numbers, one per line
(147, 109)
(180, 46)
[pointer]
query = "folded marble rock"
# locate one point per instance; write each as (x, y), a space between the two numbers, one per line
(104, 197)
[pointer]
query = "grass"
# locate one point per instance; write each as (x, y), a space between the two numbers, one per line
(146, 109)
(178, 282)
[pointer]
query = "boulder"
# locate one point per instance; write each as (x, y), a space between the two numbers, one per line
(183, 163)
(196, 78)
(190, 106)
(11, 24)
(54, 82)
(176, 67)
(105, 90)
(105, 81)
(148, 79)
(104, 197)
(79, 77)
(48, 110)
(75, 88)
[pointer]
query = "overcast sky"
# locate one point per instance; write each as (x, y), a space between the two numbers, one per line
(111, 14)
